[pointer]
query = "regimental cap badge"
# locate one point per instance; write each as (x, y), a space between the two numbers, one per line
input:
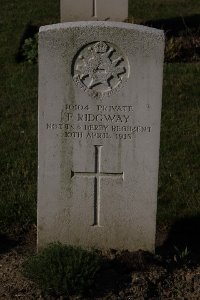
(100, 69)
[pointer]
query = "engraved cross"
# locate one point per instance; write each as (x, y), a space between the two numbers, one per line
(98, 174)
(94, 10)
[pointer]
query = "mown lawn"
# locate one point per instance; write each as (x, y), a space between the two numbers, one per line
(18, 115)
(179, 193)
(179, 157)
(162, 9)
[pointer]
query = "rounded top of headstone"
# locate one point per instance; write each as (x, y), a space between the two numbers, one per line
(103, 24)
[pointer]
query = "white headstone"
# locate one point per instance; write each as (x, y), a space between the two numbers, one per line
(85, 10)
(100, 87)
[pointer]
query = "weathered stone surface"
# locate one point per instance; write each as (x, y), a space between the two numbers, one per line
(100, 87)
(93, 10)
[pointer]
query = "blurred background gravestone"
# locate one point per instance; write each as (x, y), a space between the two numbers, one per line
(93, 10)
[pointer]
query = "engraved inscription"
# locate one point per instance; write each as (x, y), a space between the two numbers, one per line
(100, 122)
(100, 69)
(97, 182)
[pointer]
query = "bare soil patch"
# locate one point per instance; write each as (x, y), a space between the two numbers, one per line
(124, 275)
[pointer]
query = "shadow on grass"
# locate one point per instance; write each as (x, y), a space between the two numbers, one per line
(183, 234)
(29, 32)
(6, 243)
(176, 26)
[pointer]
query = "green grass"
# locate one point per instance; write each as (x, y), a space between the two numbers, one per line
(18, 115)
(179, 158)
(179, 194)
(162, 9)
(71, 270)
